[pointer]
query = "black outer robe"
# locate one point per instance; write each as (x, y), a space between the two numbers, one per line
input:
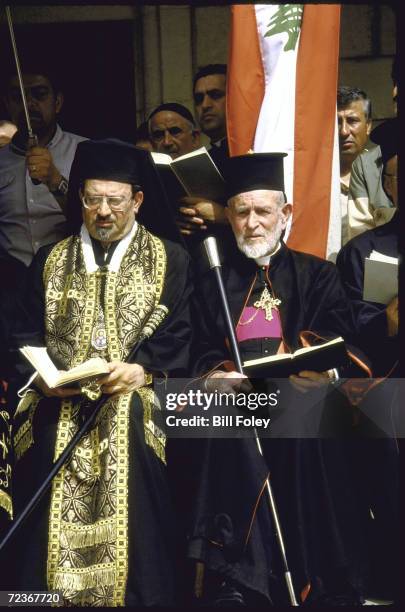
(378, 470)
(12, 275)
(312, 479)
(370, 319)
(152, 529)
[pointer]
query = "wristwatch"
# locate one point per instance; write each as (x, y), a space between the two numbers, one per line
(62, 187)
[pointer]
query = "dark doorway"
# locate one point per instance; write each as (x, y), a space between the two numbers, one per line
(94, 64)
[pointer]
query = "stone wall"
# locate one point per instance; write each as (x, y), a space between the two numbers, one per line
(171, 42)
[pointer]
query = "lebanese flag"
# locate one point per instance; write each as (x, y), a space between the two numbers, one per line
(281, 96)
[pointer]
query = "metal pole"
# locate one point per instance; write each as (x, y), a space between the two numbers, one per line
(210, 244)
(31, 134)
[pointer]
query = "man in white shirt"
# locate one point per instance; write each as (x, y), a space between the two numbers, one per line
(33, 181)
(354, 123)
(368, 204)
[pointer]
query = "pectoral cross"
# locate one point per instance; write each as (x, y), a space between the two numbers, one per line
(267, 302)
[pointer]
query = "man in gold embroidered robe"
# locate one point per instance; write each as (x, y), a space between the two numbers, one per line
(105, 534)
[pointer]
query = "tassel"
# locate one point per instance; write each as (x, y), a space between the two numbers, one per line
(84, 578)
(82, 536)
(6, 503)
(154, 437)
(25, 440)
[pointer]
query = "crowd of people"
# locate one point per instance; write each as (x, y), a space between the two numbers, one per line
(96, 261)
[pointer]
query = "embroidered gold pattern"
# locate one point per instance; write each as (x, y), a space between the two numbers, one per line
(88, 529)
(6, 503)
(5, 463)
(154, 436)
(24, 438)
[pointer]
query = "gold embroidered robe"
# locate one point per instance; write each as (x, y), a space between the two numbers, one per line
(89, 553)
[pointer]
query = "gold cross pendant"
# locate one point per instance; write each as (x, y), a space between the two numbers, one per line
(267, 302)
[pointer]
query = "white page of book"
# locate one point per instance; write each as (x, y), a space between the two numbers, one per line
(380, 281)
(39, 358)
(377, 256)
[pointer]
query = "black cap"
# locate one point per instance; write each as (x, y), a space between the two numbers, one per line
(254, 171)
(173, 107)
(386, 135)
(109, 160)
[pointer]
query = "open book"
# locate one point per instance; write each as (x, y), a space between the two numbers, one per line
(380, 278)
(39, 358)
(317, 358)
(194, 174)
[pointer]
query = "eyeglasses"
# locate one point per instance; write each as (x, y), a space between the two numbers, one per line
(116, 203)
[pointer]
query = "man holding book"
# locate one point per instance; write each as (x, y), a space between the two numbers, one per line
(281, 300)
(172, 130)
(209, 92)
(96, 294)
(377, 331)
(377, 323)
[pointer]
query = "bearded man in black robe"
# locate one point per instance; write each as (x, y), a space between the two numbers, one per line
(105, 534)
(279, 298)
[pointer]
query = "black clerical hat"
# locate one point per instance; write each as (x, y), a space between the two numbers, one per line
(254, 171)
(109, 160)
(386, 135)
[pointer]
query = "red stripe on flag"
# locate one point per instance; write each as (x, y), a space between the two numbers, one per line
(245, 83)
(315, 116)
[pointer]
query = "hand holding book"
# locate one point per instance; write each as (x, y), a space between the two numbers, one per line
(195, 213)
(307, 380)
(54, 378)
(122, 378)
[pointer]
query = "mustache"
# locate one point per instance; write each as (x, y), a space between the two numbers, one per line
(35, 114)
(108, 218)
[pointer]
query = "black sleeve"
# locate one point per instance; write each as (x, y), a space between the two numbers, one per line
(331, 310)
(168, 349)
(370, 318)
(332, 316)
(30, 316)
(209, 349)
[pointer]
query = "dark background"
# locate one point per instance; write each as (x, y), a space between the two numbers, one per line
(94, 65)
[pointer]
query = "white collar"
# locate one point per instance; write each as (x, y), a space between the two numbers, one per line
(264, 261)
(88, 253)
(56, 138)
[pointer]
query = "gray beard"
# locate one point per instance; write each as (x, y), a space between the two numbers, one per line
(103, 233)
(265, 247)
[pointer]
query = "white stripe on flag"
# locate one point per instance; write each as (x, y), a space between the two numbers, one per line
(335, 216)
(275, 126)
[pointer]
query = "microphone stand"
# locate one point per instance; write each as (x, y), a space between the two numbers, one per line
(84, 429)
(210, 244)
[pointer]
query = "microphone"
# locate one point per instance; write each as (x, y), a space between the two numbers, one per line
(211, 250)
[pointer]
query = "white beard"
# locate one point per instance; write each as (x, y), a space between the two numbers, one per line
(261, 248)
